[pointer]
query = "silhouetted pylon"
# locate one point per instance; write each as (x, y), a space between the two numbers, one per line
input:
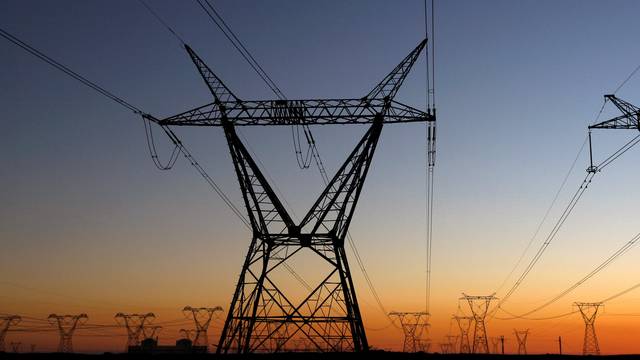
(521, 337)
(445, 348)
(5, 323)
(414, 325)
(453, 341)
(67, 325)
(134, 323)
(187, 334)
(151, 332)
(15, 346)
(202, 318)
(464, 324)
(589, 313)
(479, 306)
(33, 348)
(424, 345)
(495, 341)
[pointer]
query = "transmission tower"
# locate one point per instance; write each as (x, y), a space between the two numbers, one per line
(7, 322)
(521, 337)
(263, 315)
(15, 346)
(479, 305)
(445, 348)
(151, 332)
(135, 324)
(202, 318)
(453, 341)
(67, 325)
(495, 341)
(589, 313)
(629, 120)
(187, 334)
(414, 326)
(464, 324)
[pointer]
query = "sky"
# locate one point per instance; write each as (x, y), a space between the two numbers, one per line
(88, 224)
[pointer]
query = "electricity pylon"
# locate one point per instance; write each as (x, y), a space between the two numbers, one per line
(263, 315)
(15, 346)
(414, 326)
(7, 322)
(151, 332)
(479, 306)
(424, 345)
(495, 341)
(629, 120)
(67, 325)
(445, 347)
(453, 340)
(589, 313)
(202, 318)
(134, 323)
(464, 324)
(521, 337)
(187, 334)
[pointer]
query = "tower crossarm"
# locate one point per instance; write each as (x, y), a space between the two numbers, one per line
(219, 90)
(298, 112)
(388, 87)
(630, 118)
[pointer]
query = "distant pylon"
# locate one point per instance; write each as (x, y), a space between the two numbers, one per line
(15, 346)
(202, 318)
(187, 333)
(445, 348)
(33, 348)
(495, 341)
(521, 337)
(67, 325)
(5, 323)
(464, 324)
(453, 341)
(589, 313)
(134, 323)
(413, 325)
(479, 306)
(424, 345)
(151, 332)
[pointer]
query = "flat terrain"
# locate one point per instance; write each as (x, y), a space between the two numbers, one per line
(309, 356)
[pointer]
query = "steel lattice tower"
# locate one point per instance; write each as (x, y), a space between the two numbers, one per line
(187, 334)
(414, 326)
(67, 325)
(521, 337)
(589, 313)
(7, 322)
(495, 341)
(263, 315)
(464, 324)
(202, 318)
(135, 324)
(479, 305)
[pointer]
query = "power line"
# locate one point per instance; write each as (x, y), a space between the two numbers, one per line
(179, 146)
(66, 70)
(626, 247)
(546, 214)
(166, 25)
(550, 237)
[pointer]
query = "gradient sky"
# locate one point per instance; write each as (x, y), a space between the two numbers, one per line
(88, 224)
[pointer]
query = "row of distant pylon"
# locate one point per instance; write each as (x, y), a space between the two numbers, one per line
(415, 325)
(139, 327)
